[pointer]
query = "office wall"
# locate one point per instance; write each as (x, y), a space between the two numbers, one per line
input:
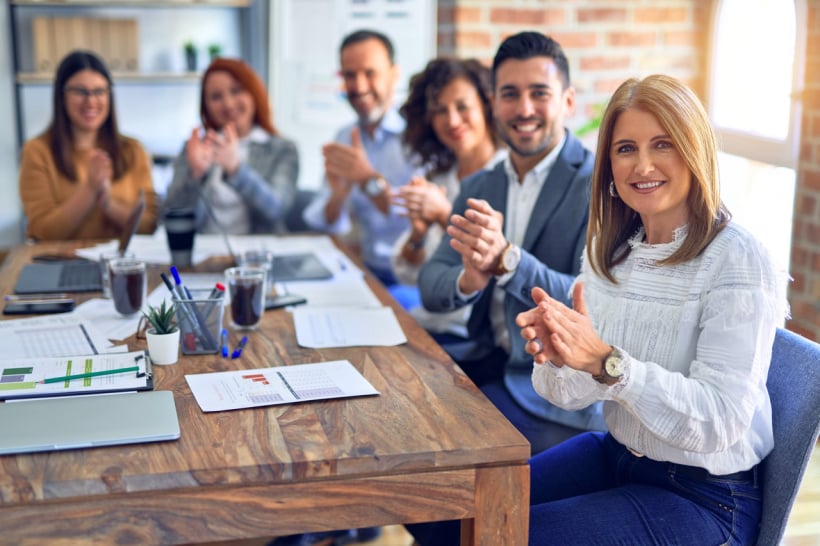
(9, 200)
(804, 295)
(606, 41)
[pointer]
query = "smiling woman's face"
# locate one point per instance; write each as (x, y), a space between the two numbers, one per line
(227, 101)
(649, 172)
(87, 100)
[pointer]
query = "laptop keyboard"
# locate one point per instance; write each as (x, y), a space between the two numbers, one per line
(79, 274)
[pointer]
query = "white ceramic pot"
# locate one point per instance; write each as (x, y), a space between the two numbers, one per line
(163, 348)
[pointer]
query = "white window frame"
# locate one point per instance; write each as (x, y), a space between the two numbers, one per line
(785, 152)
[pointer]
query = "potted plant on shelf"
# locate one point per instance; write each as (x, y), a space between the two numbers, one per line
(214, 51)
(162, 334)
(190, 56)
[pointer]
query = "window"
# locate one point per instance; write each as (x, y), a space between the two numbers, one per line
(757, 63)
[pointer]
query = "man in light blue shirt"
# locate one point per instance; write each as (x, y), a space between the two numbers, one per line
(367, 159)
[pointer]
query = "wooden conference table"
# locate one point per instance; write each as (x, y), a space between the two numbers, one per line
(429, 447)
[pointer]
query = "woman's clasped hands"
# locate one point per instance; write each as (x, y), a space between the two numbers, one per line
(213, 148)
(560, 335)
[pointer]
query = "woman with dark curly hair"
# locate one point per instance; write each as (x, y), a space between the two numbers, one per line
(450, 129)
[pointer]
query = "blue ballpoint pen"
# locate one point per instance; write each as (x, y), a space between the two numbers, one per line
(224, 337)
(238, 351)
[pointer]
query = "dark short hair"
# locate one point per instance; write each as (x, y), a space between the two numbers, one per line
(526, 45)
(425, 88)
(366, 34)
(59, 132)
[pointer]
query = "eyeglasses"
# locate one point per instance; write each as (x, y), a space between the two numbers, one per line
(83, 93)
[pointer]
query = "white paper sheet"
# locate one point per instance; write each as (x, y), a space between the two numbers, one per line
(58, 335)
(322, 327)
(220, 391)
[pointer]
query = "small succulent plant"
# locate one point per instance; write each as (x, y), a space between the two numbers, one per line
(161, 318)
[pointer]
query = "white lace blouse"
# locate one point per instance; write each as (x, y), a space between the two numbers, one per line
(697, 338)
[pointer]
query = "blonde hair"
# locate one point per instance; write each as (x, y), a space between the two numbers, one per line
(682, 116)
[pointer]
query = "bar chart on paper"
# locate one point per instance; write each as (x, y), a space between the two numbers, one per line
(222, 391)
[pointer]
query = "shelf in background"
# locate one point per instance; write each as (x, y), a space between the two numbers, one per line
(135, 3)
(43, 78)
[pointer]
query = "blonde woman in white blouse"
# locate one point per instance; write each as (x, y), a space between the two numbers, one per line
(450, 131)
(674, 317)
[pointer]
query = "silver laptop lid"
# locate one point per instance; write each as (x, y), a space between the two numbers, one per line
(74, 422)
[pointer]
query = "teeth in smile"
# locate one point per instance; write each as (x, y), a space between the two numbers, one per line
(526, 127)
(647, 185)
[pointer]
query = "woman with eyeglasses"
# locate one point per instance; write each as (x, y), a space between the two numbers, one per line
(80, 178)
(237, 172)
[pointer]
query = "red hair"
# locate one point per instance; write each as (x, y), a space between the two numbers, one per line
(252, 83)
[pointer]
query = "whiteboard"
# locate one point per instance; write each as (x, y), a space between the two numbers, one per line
(306, 90)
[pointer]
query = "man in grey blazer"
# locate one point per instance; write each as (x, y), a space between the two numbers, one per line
(520, 225)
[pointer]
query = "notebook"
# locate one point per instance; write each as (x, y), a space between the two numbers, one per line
(75, 422)
(74, 275)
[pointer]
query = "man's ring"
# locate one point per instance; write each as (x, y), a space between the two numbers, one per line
(538, 342)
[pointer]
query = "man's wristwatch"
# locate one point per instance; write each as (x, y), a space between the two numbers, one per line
(508, 260)
(612, 368)
(374, 186)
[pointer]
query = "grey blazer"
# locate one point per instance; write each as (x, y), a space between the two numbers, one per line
(550, 258)
(266, 182)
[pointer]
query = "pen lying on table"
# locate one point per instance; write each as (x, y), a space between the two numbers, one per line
(90, 374)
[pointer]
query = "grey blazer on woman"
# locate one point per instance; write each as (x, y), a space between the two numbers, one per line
(266, 182)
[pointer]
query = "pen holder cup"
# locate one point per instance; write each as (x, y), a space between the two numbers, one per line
(200, 322)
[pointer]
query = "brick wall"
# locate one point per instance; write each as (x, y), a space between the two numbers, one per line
(608, 41)
(804, 295)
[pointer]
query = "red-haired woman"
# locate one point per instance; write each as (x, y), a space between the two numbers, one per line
(239, 167)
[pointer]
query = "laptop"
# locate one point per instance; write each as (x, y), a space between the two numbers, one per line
(75, 422)
(67, 274)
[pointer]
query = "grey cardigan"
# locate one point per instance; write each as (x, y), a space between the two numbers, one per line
(266, 182)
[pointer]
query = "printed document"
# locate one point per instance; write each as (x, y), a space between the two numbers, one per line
(221, 391)
(322, 327)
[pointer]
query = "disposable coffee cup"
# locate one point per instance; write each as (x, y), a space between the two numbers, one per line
(128, 285)
(180, 226)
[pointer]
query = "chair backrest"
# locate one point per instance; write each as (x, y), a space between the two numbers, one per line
(794, 388)
(293, 218)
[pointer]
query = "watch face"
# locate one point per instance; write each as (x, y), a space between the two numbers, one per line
(372, 187)
(613, 362)
(511, 259)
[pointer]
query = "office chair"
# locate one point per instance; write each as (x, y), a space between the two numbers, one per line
(293, 218)
(794, 388)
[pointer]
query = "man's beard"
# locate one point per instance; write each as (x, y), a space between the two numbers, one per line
(540, 147)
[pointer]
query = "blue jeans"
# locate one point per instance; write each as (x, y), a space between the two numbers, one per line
(591, 490)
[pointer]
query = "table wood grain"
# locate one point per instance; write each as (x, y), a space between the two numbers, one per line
(429, 447)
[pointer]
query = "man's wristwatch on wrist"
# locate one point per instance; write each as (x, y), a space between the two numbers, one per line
(374, 186)
(416, 245)
(612, 368)
(508, 260)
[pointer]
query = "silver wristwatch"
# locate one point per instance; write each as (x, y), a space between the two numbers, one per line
(612, 368)
(374, 186)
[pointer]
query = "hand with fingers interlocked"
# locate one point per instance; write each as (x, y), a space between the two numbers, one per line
(562, 335)
(478, 236)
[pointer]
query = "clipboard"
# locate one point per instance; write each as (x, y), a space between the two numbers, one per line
(39, 377)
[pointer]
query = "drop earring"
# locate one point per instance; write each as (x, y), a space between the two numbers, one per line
(612, 192)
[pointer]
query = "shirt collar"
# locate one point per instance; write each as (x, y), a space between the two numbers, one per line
(391, 122)
(258, 135)
(543, 167)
